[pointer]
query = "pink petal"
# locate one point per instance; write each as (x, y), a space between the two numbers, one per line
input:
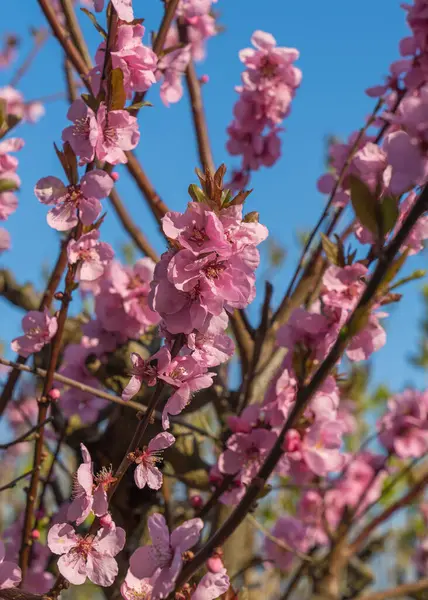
(187, 535)
(49, 189)
(10, 575)
(154, 477)
(110, 541)
(101, 570)
(124, 10)
(140, 476)
(73, 567)
(143, 562)
(132, 388)
(100, 506)
(161, 441)
(62, 538)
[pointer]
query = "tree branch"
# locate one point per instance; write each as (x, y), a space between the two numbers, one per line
(406, 589)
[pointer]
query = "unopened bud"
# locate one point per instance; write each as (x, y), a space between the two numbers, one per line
(115, 176)
(59, 296)
(106, 521)
(35, 534)
(196, 501)
(204, 79)
(215, 564)
(54, 394)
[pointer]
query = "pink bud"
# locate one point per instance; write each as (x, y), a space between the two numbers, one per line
(192, 20)
(114, 176)
(215, 479)
(106, 521)
(54, 394)
(292, 442)
(215, 564)
(196, 501)
(204, 79)
(35, 534)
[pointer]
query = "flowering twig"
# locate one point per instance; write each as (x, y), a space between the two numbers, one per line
(45, 302)
(306, 393)
(12, 483)
(24, 436)
(105, 395)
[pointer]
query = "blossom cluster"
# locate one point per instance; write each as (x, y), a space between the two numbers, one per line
(269, 84)
(9, 183)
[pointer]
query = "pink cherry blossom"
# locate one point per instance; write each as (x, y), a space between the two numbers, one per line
(10, 573)
(404, 427)
(83, 134)
(118, 131)
(123, 9)
(294, 534)
(165, 553)
(212, 586)
(74, 202)
(91, 255)
(321, 447)
(172, 67)
(4, 240)
(146, 472)
(86, 556)
(137, 62)
(8, 204)
(39, 328)
(245, 453)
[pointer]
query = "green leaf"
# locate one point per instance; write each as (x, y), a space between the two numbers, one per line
(389, 213)
(7, 185)
(196, 193)
(95, 22)
(117, 91)
(138, 105)
(330, 249)
(364, 204)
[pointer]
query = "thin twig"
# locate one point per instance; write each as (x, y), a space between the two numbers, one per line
(12, 483)
(405, 589)
(23, 437)
(106, 396)
(76, 33)
(40, 38)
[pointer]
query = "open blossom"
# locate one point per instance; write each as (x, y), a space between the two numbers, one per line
(83, 134)
(164, 556)
(92, 255)
(294, 535)
(123, 8)
(86, 556)
(146, 472)
(245, 453)
(321, 447)
(89, 492)
(74, 202)
(16, 105)
(39, 328)
(137, 62)
(172, 67)
(118, 131)
(404, 427)
(10, 573)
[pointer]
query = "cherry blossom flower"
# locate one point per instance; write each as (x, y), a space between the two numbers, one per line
(137, 62)
(83, 134)
(91, 255)
(146, 472)
(10, 573)
(123, 9)
(212, 586)
(86, 556)
(245, 453)
(118, 131)
(39, 328)
(294, 534)
(321, 447)
(74, 202)
(165, 553)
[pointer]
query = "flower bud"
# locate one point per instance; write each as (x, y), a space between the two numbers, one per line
(35, 534)
(115, 176)
(54, 394)
(204, 79)
(215, 564)
(196, 501)
(107, 521)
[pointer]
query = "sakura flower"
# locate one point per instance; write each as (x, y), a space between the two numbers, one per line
(245, 453)
(39, 328)
(137, 62)
(165, 554)
(86, 556)
(321, 447)
(146, 472)
(89, 493)
(212, 586)
(74, 202)
(118, 132)
(10, 573)
(4, 240)
(145, 370)
(404, 427)
(123, 9)
(294, 534)
(134, 588)
(8, 204)
(91, 255)
(83, 134)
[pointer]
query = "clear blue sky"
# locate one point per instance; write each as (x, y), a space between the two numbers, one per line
(345, 47)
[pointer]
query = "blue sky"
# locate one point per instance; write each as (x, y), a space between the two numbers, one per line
(345, 47)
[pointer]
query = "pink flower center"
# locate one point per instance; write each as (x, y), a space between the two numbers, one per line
(252, 453)
(110, 136)
(81, 127)
(198, 236)
(148, 457)
(214, 269)
(84, 546)
(74, 195)
(145, 593)
(105, 478)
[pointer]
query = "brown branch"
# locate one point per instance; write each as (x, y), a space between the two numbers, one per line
(13, 483)
(402, 502)
(129, 225)
(45, 302)
(22, 296)
(406, 589)
(44, 402)
(156, 204)
(101, 394)
(40, 38)
(306, 393)
(76, 33)
(24, 436)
